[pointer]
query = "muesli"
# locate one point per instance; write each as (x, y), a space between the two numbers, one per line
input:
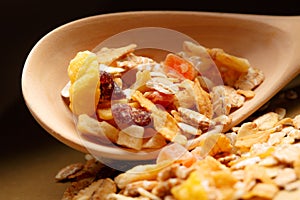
(258, 159)
(136, 102)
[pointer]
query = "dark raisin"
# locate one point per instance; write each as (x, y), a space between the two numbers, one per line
(106, 85)
(122, 114)
(140, 117)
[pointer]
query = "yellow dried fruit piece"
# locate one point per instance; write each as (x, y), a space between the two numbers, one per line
(84, 90)
(249, 94)
(166, 125)
(139, 173)
(104, 113)
(144, 102)
(191, 189)
(131, 137)
(156, 141)
(142, 77)
(212, 145)
(79, 64)
(90, 126)
(222, 144)
(230, 61)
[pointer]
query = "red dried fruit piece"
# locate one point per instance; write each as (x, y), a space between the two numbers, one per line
(160, 98)
(180, 65)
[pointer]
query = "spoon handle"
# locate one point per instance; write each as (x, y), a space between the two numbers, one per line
(294, 29)
(290, 25)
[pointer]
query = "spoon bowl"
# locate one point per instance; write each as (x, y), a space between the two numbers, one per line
(270, 43)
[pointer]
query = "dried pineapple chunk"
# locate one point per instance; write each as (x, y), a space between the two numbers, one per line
(90, 126)
(79, 64)
(84, 91)
(232, 62)
(139, 173)
(104, 113)
(191, 189)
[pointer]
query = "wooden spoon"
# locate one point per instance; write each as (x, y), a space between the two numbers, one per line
(280, 62)
(271, 43)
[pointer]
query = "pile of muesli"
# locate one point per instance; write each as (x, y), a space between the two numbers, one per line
(258, 159)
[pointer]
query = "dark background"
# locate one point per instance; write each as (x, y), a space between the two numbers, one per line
(24, 23)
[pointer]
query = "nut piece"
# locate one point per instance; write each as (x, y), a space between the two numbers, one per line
(221, 102)
(163, 85)
(194, 118)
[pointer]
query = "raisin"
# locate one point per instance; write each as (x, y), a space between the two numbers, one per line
(140, 117)
(122, 114)
(107, 85)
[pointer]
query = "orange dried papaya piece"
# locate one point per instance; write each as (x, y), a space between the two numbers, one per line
(174, 63)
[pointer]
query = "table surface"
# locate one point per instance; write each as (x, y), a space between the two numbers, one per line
(28, 165)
